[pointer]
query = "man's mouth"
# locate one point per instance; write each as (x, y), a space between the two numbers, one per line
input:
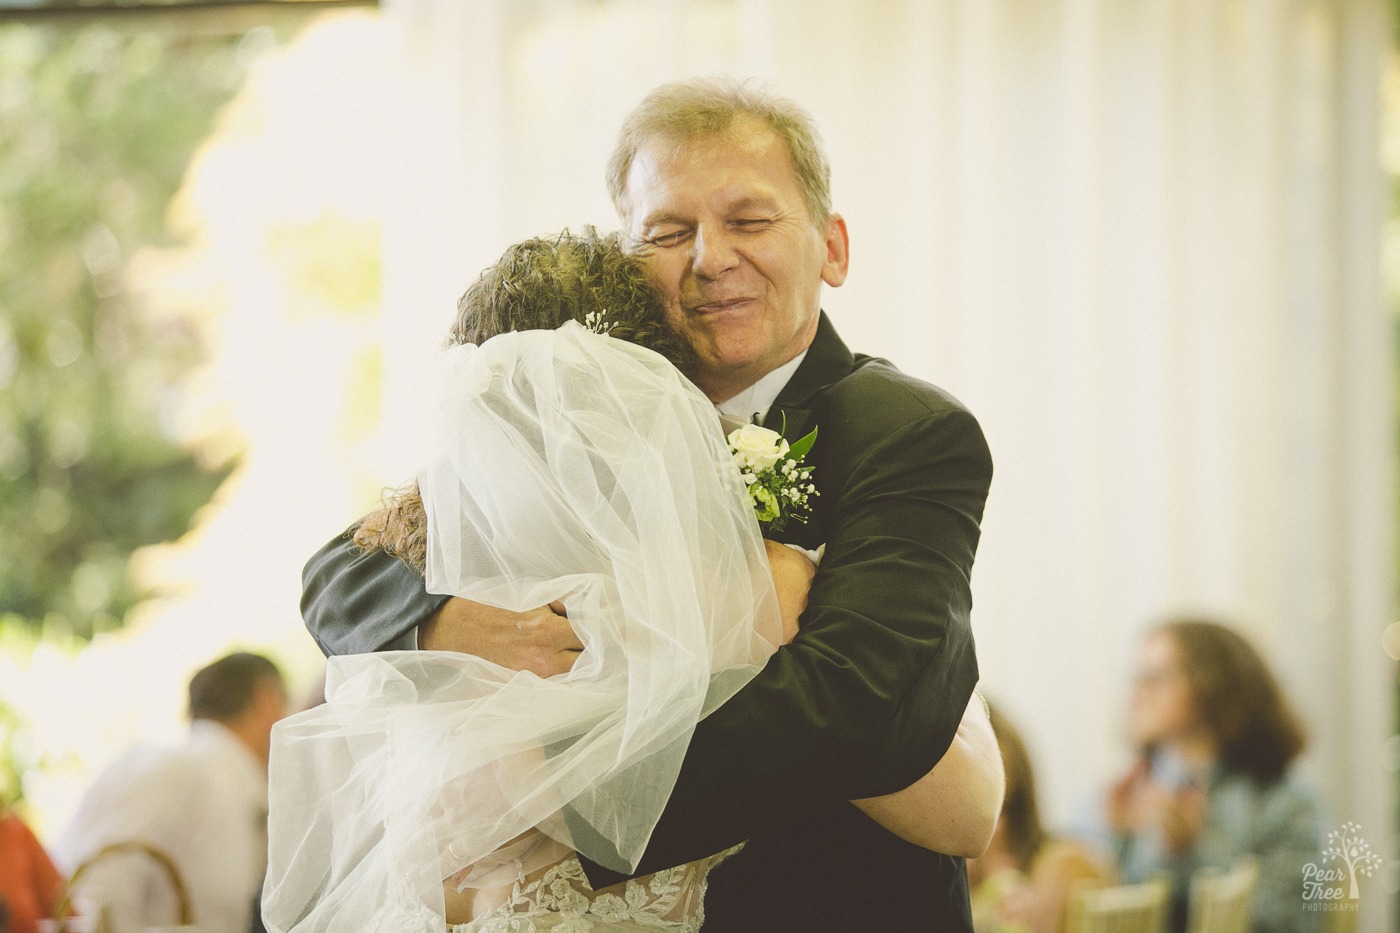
(720, 306)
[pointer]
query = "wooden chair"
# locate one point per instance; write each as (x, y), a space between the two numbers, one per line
(1222, 902)
(1126, 908)
(65, 905)
(1339, 921)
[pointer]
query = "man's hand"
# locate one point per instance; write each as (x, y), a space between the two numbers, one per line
(540, 641)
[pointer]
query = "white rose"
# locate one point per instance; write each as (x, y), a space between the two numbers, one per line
(760, 447)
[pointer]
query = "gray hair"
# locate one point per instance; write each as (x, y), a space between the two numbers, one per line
(687, 110)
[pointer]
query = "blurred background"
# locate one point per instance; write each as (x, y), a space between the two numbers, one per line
(1152, 244)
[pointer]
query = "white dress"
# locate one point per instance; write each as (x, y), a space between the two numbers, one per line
(562, 901)
(567, 465)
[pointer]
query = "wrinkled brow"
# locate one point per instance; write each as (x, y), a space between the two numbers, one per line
(660, 218)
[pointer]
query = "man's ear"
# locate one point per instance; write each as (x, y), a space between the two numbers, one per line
(838, 251)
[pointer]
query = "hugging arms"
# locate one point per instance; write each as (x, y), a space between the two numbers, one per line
(871, 692)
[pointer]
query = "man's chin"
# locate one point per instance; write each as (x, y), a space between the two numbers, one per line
(723, 378)
(732, 361)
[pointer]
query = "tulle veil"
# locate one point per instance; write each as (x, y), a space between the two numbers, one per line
(564, 465)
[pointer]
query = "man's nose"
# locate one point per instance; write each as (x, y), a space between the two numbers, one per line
(714, 252)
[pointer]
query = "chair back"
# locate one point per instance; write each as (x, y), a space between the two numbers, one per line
(1339, 921)
(172, 872)
(1222, 902)
(1124, 908)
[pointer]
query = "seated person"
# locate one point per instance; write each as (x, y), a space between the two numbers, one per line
(1213, 780)
(1022, 883)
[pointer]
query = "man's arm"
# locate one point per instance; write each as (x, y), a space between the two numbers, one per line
(358, 601)
(954, 808)
(355, 601)
(869, 695)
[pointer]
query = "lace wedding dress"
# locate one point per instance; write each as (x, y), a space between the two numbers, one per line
(567, 466)
(561, 901)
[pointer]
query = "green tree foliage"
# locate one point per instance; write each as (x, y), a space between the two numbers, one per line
(12, 767)
(96, 128)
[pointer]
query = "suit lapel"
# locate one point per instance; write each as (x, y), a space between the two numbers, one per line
(827, 361)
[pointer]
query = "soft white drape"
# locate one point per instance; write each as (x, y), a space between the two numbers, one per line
(1140, 238)
(569, 466)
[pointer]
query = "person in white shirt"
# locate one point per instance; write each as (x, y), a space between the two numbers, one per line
(202, 804)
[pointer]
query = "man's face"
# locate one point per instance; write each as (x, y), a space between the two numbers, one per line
(722, 226)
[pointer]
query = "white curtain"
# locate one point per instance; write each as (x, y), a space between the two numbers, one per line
(1139, 238)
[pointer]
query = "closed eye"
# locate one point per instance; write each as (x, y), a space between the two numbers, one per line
(667, 240)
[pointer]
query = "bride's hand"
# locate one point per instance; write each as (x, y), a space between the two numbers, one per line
(540, 640)
(488, 884)
(792, 578)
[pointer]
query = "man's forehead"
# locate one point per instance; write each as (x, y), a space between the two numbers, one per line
(744, 139)
(728, 172)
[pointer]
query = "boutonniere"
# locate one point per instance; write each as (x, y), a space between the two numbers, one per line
(778, 482)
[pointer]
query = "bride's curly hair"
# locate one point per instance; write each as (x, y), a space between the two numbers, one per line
(538, 284)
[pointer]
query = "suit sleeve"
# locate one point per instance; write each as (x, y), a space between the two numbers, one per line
(869, 695)
(355, 601)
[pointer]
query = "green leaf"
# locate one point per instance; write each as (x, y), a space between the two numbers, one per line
(799, 448)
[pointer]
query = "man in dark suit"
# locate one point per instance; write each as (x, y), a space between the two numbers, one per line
(724, 193)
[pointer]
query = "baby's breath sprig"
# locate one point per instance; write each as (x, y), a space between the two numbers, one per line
(594, 321)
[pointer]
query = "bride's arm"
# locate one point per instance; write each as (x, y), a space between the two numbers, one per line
(954, 808)
(792, 578)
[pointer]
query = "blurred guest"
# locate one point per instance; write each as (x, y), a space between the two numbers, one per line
(30, 885)
(1022, 883)
(1213, 780)
(315, 694)
(203, 804)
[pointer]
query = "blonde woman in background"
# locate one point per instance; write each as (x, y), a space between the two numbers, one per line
(1023, 881)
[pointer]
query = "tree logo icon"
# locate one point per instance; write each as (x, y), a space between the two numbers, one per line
(1350, 856)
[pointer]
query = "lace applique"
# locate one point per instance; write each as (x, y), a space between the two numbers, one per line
(405, 916)
(562, 902)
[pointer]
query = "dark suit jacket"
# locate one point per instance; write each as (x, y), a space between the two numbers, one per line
(865, 700)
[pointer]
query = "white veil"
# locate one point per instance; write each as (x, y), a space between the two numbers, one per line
(567, 465)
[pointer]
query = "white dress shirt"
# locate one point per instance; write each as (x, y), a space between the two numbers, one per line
(204, 804)
(752, 404)
(751, 407)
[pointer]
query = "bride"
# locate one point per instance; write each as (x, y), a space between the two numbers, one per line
(573, 466)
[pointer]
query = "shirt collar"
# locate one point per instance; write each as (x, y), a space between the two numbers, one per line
(752, 404)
